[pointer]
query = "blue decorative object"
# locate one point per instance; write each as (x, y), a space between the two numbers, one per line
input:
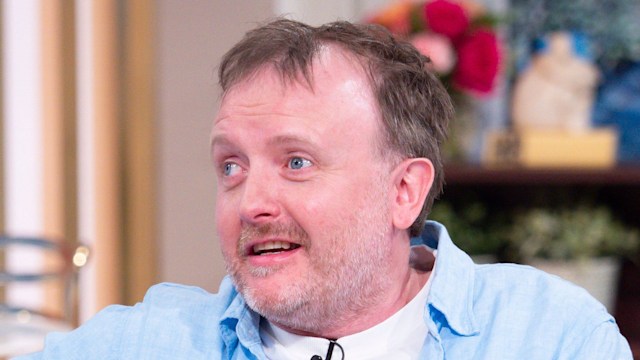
(614, 35)
(618, 104)
(580, 43)
(581, 47)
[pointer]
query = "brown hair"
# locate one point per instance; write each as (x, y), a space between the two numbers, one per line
(414, 105)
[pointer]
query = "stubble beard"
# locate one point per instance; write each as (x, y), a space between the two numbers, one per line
(340, 284)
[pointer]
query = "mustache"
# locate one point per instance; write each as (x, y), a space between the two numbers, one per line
(290, 231)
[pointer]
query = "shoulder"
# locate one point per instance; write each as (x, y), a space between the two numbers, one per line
(527, 303)
(173, 295)
(189, 305)
(536, 291)
(171, 320)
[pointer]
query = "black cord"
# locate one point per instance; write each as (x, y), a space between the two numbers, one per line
(341, 350)
(330, 351)
(332, 344)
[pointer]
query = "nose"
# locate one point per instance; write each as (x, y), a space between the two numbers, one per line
(260, 201)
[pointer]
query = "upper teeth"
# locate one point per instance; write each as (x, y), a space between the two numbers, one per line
(271, 245)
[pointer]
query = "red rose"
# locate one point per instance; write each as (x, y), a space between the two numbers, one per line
(478, 62)
(446, 18)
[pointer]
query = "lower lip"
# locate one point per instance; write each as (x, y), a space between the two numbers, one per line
(273, 259)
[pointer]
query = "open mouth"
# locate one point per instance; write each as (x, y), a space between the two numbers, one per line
(272, 247)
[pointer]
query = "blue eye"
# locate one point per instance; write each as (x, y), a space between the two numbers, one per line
(230, 168)
(297, 163)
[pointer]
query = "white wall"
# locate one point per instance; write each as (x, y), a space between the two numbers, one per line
(316, 12)
(192, 36)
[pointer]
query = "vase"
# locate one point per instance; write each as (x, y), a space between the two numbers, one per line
(475, 118)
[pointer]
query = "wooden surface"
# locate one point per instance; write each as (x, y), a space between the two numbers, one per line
(477, 175)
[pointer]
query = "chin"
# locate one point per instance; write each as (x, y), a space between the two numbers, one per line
(273, 301)
(260, 285)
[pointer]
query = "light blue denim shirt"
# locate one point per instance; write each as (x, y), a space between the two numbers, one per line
(502, 311)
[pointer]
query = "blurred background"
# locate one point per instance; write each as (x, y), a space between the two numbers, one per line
(105, 116)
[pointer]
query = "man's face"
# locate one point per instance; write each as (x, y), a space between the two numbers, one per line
(303, 197)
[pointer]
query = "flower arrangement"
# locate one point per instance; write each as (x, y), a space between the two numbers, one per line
(459, 37)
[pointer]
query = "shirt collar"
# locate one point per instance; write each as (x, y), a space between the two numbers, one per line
(238, 322)
(452, 289)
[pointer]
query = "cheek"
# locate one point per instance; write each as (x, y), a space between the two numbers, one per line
(340, 205)
(227, 223)
(323, 210)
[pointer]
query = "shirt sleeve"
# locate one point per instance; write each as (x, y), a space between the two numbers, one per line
(172, 322)
(99, 338)
(605, 342)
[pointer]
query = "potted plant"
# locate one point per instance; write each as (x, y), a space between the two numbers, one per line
(583, 245)
(469, 230)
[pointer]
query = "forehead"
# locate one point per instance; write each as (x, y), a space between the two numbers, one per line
(337, 80)
(338, 115)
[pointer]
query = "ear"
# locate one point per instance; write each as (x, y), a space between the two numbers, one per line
(412, 182)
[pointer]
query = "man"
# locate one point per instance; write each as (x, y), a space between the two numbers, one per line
(327, 149)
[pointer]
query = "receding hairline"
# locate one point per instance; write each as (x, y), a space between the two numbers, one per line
(304, 76)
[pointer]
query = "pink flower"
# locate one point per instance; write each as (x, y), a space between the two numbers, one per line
(478, 62)
(446, 18)
(438, 48)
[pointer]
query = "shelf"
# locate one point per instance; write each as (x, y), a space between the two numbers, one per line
(461, 174)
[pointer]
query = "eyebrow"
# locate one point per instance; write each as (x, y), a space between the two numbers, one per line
(290, 140)
(219, 140)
